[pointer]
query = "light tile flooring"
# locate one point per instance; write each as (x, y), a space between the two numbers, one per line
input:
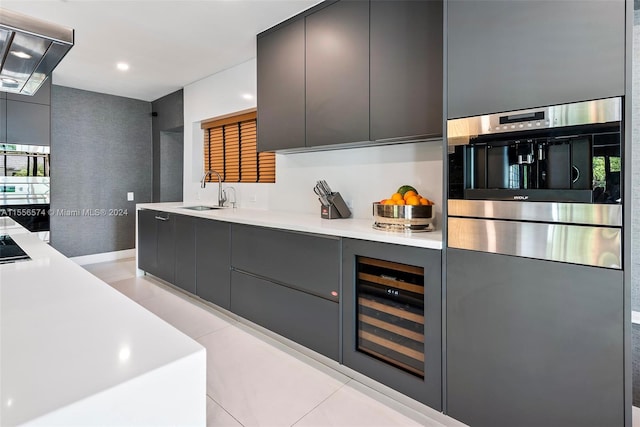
(253, 380)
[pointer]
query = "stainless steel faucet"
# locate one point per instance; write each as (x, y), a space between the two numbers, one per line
(222, 197)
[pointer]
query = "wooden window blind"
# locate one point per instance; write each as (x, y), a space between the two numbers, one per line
(230, 148)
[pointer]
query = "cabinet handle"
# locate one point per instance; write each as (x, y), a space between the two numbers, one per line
(161, 218)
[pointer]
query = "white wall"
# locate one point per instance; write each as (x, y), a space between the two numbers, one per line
(361, 175)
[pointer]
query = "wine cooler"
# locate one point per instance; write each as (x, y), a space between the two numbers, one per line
(392, 316)
(391, 312)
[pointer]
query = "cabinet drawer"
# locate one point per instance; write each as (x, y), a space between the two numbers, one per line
(306, 262)
(301, 317)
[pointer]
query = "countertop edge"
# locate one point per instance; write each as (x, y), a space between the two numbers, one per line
(353, 228)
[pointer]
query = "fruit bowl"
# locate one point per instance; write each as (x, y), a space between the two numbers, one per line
(403, 217)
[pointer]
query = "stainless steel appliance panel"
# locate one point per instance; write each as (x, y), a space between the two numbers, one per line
(585, 245)
(552, 212)
(459, 131)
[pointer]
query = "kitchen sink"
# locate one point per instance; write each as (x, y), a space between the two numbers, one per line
(202, 207)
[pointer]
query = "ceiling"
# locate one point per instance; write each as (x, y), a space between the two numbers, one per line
(168, 44)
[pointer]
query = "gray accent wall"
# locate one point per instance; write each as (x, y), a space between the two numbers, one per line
(100, 150)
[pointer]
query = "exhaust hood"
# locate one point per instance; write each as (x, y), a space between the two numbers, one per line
(29, 51)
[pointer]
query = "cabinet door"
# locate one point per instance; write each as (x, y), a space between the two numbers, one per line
(533, 342)
(301, 317)
(337, 74)
(3, 119)
(406, 68)
(185, 253)
(166, 246)
(147, 241)
(510, 55)
(28, 123)
(281, 92)
(213, 262)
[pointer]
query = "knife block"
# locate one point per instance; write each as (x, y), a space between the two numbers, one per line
(329, 212)
(337, 208)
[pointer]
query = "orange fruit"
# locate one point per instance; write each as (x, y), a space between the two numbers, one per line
(396, 196)
(399, 202)
(412, 200)
(424, 201)
(409, 193)
(388, 202)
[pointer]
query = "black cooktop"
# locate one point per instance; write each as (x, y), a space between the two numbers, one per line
(10, 251)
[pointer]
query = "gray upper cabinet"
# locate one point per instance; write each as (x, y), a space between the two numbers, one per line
(28, 123)
(26, 119)
(509, 55)
(406, 69)
(3, 118)
(351, 72)
(281, 93)
(337, 74)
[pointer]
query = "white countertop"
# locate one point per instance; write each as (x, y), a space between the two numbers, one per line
(69, 339)
(310, 223)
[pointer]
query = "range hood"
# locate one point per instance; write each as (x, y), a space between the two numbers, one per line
(29, 51)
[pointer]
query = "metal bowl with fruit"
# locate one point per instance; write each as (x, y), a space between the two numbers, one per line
(404, 211)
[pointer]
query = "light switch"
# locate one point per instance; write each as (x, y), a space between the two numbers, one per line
(130, 196)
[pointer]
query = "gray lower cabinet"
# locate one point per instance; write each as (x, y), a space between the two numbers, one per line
(533, 343)
(147, 241)
(391, 309)
(307, 262)
(299, 316)
(185, 253)
(281, 94)
(406, 69)
(288, 282)
(156, 246)
(510, 55)
(212, 258)
(337, 74)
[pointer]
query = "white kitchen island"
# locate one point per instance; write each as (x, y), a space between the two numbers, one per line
(74, 351)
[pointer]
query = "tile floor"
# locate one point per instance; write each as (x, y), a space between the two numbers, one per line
(253, 380)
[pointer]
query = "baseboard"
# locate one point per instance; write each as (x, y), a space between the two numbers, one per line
(104, 257)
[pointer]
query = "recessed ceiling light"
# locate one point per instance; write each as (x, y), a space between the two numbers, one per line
(20, 54)
(122, 66)
(247, 96)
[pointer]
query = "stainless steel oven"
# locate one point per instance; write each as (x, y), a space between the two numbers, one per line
(539, 183)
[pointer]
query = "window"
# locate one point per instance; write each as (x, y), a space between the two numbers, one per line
(230, 149)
